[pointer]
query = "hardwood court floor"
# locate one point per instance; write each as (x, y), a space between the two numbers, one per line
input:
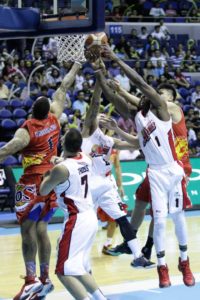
(106, 269)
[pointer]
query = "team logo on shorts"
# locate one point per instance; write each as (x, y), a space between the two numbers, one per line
(24, 194)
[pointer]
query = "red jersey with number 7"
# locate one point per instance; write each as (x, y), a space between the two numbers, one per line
(44, 136)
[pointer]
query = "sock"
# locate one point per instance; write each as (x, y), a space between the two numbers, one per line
(161, 258)
(135, 249)
(149, 242)
(30, 269)
(183, 252)
(97, 295)
(108, 242)
(44, 271)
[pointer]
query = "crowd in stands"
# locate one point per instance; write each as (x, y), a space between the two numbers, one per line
(152, 10)
(158, 56)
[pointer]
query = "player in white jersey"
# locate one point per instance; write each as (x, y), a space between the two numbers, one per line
(104, 192)
(154, 128)
(71, 181)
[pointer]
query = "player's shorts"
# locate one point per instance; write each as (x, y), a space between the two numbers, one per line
(75, 243)
(105, 195)
(29, 204)
(168, 189)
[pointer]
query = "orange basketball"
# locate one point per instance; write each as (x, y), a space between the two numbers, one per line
(96, 39)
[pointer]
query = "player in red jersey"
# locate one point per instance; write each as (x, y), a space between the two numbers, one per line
(37, 140)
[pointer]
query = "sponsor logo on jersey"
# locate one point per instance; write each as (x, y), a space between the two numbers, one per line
(146, 132)
(181, 146)
(45, 130)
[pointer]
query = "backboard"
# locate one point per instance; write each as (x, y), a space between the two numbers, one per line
(34, 18)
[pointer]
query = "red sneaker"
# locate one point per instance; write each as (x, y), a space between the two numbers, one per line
(164, 280)
(31, 285)
(184, 268)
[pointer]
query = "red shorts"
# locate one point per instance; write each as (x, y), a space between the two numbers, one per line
(104, 217)
(27, 198)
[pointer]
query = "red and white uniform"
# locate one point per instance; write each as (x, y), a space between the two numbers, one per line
(80, 225)
(181, 147)
(164, 173)
(44, 136)
(103, 185)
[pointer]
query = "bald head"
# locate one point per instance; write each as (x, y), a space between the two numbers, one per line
(41, 108)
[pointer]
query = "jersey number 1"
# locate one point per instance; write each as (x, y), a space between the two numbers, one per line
(84, 181)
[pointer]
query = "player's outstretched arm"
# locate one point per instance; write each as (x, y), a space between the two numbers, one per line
(133, 100)
(57, 175)
(59, 99)
(146, 89)
(118, 173)
(20, 140)
(131, 142)
(90, 123)
(119, 102)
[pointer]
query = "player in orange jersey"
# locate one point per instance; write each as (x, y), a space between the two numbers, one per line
(37, 140)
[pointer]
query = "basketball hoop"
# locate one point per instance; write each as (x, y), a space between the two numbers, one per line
(71, 47)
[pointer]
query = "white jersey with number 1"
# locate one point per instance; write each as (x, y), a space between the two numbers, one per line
(155, 138)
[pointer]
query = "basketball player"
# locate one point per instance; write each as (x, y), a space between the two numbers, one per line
(165, 175)
(181, 145)
(71, 181)
(104, 192)
(37, 140)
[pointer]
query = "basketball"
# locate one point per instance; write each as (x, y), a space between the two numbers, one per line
(96, 40)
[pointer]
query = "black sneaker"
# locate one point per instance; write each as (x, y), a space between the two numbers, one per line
(147, 252)
(142, 262)
(119, 249)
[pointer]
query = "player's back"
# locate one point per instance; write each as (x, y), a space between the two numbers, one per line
(156, 139)
(74, 194)
(99, 147)
(44, 136)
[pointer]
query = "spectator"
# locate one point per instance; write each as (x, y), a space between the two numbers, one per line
(180, 79)
(79, 80)
(144, 33)
(164, 29)
(133, 54)
(189, 65)
(196, 94)
(123, 80)
(197, 105)
(170, 11)
(157, 55)
(114, 69)
(116, 14)
(122, 44)
(176, 59)
(195, 146)
(156, 11)
(191, 133)
(149, 69)
(158, 34)
(80, 103)
(159, 69)
(138, 68)
(4, 91)
(53, 78)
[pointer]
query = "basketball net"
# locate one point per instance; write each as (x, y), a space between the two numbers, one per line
(71, 47)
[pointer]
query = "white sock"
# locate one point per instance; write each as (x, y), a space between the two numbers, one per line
(108, 242)
(183, 255)
(135, 248)
(87, 298)
(161, 261)
(97, 295)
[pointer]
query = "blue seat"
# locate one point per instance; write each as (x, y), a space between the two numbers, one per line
(186, 107)
(19, 113)
(8, 124)
(28, 103)
(10, 160)
(5, 113)
(15, 103)
(3, 103)
(19, 122)
(183, 92)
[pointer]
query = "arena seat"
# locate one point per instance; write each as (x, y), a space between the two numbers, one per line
(3, 103)
(10, 160)
(19, 113)
(5, 113)
(15, 103)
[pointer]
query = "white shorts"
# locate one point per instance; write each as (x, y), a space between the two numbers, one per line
(105, 195)
(75, 243)
(166, 189)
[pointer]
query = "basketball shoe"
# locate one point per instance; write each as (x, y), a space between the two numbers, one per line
(142, 262)
(123, 248)
(46, 288)
(31, 286)
(105, 249)
(184, 268)
(163, 274)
